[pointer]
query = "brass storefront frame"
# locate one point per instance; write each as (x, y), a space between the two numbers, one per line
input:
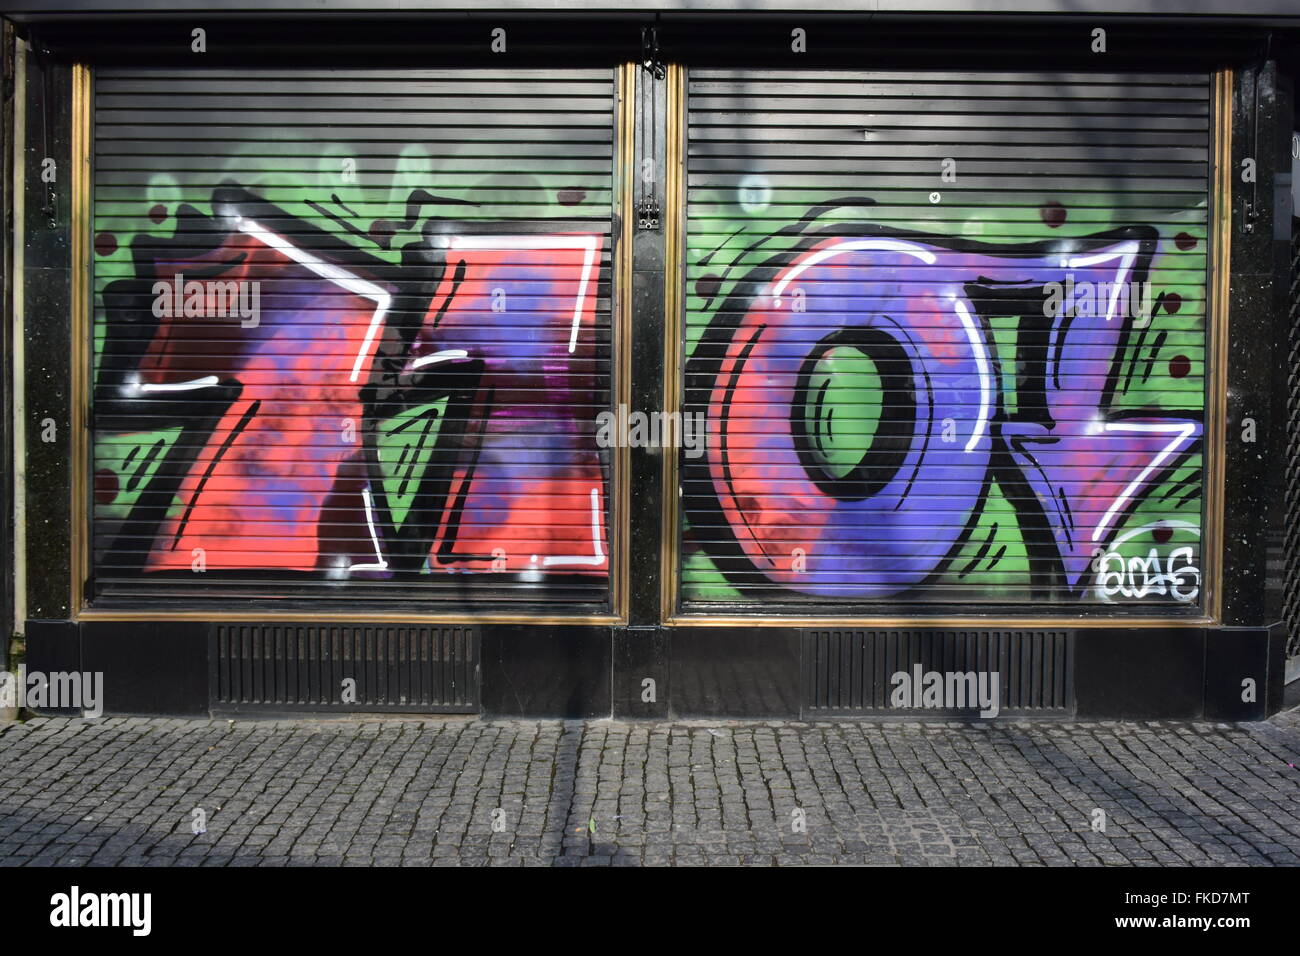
(624, 78)
(1217, 308)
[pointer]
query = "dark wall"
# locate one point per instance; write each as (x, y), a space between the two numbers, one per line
(1260, 267)
(47, 307)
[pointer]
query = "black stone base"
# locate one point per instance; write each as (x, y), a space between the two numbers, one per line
(546, 671)
(53, 647)
(1228, 674)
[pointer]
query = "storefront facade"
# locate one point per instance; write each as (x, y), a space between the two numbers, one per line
(654, 364)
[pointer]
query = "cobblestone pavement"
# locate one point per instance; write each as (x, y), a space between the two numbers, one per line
(462, 791)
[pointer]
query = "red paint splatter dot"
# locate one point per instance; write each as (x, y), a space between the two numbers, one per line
(747, 505)
(1184, 241)
(157, 213)
(105, 487)
(571, 196)
(1173, 302)
(1054, 214)
(1179, 366)
(706, 287)
(105, 244)
(1162, 534)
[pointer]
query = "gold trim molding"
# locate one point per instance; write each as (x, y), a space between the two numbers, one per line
(82, 332)
(1217, 320)
(1002, 622)
(81, 336)
(620, 584)
(674, 220)
(1220, 234)
(344, 617)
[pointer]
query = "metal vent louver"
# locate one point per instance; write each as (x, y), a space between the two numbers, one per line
(291, 667)
(850, 671)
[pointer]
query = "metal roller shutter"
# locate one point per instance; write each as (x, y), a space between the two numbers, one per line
(947, 334)
(352, 333)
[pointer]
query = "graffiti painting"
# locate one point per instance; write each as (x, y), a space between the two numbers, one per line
(351, 418)
(946, 423)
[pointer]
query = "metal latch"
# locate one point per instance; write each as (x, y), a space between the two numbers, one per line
(650, 61)
(647, 214)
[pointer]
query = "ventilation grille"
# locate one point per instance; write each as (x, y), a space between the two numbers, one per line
(1291, 550)
(851, 671)
(305, 667)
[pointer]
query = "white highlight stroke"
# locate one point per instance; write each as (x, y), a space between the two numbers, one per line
(206, 381)
(587, 243)
(852, 245)
(1127, 254)
(433, 358)
(598, 558)
(382, 563)
(1184, 431)
(982, 363)
(354, 284)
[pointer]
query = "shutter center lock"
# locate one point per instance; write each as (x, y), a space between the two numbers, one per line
(647, 214)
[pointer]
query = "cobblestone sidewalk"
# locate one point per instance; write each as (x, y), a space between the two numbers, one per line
(460, 791)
